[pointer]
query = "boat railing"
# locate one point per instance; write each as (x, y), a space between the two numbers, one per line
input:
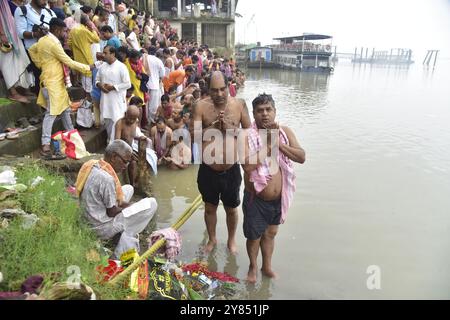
(307, 47)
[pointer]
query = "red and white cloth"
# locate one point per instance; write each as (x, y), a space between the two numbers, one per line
(262, 175)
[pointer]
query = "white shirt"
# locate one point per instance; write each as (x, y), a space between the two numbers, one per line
(133, 41)
(33, 17)
(172, 68)
(114, 104)
(112, 23)
(156, 72)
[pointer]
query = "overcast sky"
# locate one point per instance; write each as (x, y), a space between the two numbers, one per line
(383, 24)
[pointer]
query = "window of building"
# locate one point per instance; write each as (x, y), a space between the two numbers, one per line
(189, 31)
(214, 35)
(166, 5)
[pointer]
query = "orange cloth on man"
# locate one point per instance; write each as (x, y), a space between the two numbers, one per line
(175, 78)
(85, 170)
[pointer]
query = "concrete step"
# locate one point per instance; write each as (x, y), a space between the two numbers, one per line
(10, 113)
(29, 142)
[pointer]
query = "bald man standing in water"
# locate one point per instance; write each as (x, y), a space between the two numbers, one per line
(219, 175)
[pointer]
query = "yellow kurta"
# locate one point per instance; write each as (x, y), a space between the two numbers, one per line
(131, 24)
(48, 55)
(134, 81)
(80, 41)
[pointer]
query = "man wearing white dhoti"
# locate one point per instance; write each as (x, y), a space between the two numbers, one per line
(106, 204)
(13, 57)
(113, 80)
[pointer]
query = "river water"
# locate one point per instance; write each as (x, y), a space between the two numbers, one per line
(371, 214)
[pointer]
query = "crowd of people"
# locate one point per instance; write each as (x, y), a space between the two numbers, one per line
(144, 82)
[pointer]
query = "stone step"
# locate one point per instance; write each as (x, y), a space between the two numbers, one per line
(29, 142)
(10, 113)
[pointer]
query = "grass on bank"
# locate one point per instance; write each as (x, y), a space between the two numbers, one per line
(60, 239)
(5, 101)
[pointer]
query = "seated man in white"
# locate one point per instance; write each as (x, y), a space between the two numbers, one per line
(106, 204)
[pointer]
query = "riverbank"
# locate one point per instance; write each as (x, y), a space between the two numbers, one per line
(57, 245)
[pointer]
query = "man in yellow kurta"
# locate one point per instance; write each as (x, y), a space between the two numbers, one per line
(49, 56)
(80, 40)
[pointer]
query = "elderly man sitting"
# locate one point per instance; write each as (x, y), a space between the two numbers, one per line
(106, 204)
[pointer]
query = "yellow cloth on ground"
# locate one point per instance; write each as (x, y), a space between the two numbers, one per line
(48, 54)
(134, 81)
(85, 170)
(80, 41)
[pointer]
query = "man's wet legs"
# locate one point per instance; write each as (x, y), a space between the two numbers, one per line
(211, 222)
(232, 221)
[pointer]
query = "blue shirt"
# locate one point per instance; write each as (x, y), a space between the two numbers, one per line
(26, 23)
(114, 42)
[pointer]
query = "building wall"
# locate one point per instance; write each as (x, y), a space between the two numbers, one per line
(177, 22)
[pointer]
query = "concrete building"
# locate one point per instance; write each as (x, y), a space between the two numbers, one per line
(194, 19)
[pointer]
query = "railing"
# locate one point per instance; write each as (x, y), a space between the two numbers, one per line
(300, 48)
(200, 14)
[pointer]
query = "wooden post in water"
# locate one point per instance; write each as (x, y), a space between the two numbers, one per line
(144, 183)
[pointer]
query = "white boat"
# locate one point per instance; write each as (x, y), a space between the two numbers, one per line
(308, 52)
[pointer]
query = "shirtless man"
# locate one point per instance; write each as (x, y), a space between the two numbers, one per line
(267, 193)
(220, 179)
(127, 129)
(180, 156)
(165, 109)
(161, 136)
(176, 122)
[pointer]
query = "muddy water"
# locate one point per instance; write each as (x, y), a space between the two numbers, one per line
(373, 192)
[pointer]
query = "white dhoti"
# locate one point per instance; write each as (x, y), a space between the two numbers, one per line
(152, 105)
(133, 219)
(13, 67)
(130, 222)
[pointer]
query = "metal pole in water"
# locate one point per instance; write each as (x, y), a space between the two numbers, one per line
(435, 57)
(426, 57)
(429, 58)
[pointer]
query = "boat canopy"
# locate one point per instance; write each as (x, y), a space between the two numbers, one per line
(310, 36)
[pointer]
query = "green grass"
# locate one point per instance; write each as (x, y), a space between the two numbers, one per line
(59, 240)
(5, 101)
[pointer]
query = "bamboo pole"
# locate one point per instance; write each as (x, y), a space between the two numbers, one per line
(158, 244)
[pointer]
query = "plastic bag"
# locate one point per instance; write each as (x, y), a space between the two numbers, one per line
(71, 144)
(7, 177)
(126, 243)
(84, 115)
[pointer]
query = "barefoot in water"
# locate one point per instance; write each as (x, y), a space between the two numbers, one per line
(269, 273)
(251, 275)
(232, 246)
(210, 246)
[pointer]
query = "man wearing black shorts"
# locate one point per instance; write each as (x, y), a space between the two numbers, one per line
(219, 176)
(269, 185)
